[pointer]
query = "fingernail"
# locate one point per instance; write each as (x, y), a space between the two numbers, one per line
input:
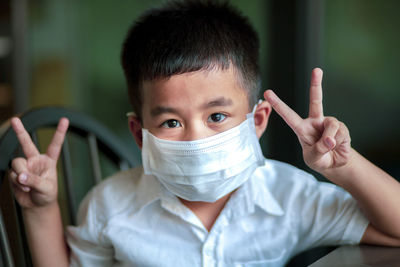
(329, 143)
(23, 177)
(26, 189)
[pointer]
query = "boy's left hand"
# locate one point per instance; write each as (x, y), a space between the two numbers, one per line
(325, 140)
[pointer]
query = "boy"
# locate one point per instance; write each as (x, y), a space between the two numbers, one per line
(205, 195)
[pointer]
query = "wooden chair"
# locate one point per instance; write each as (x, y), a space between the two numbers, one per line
(90, 153)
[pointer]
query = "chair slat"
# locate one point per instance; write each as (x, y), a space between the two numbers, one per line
(68, 180)
(5, 246)
(26, 260)
(94, 157)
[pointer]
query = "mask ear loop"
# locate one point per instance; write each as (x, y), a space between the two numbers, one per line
(251, 114)
(256, 105)
(130, 114)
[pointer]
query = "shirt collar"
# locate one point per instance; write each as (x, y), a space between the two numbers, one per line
(253, 192)
(148, 190)
(258, 194)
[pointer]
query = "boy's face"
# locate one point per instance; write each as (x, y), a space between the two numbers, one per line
(194, 105)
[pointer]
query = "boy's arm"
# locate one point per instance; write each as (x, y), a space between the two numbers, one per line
(45, 235)
(326, 148)
(34, 182)
(378, 195)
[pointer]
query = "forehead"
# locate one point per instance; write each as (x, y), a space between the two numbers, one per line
(194, 88)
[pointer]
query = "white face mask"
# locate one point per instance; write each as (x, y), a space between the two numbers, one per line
(205, 169)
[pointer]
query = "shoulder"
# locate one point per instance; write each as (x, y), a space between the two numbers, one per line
(120, 185)
(280, 174)
(287, 182)
(320, 213)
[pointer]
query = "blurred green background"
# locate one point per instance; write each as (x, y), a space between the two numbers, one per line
(63, 52)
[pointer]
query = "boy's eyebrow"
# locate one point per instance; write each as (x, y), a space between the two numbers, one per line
(222, 101)
(161, 110)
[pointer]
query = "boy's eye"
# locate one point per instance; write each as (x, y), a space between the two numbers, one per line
(216, 117)
(171, 124)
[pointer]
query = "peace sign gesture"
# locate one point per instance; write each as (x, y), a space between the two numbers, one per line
(325, 140)
(34, 178)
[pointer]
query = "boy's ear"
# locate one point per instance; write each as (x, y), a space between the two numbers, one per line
(261, 117)
(135, 126)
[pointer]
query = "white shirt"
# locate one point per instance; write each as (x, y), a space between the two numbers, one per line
(130, 219)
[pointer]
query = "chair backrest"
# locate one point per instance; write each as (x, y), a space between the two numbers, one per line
(89, 148)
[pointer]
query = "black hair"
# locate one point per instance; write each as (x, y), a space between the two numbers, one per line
(187, 36)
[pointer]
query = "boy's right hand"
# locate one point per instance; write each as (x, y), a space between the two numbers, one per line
(34, 178)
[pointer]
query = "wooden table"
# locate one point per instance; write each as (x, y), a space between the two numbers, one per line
(353, 256)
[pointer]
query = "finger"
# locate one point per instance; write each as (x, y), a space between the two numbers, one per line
(315, 107)
(25, 140)
(53, 151)
(19, 165)
(342, 135)
(328, 140)
(13, 176)
(287, 114)
(18, 187)
(26, 178)
(24, 188)
(15, 181)
(31, 181)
